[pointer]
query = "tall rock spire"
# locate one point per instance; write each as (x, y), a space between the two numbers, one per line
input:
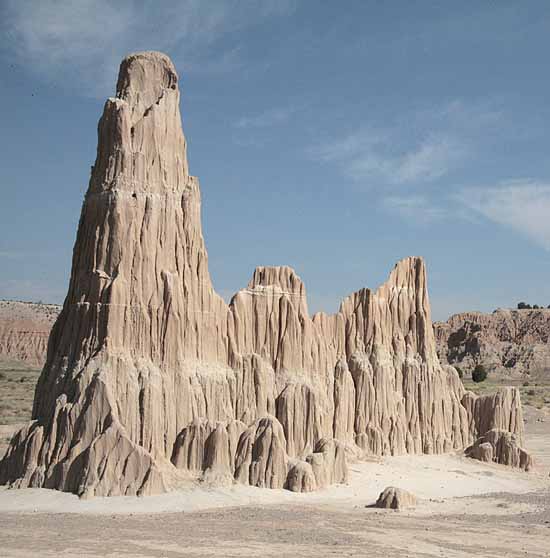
(149, 371)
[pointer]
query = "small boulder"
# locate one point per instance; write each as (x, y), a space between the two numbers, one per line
(395, 499)
(301, 478)
(482, 452)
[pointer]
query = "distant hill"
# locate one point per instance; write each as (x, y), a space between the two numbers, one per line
(24, 330)
(506, 341)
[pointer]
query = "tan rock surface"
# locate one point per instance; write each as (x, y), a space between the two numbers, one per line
(151, 378)
(24, 330)
(506, 341)
(501, 447)
(395, 499)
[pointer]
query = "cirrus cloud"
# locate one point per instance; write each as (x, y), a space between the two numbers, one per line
(523, 205)
(80, 43)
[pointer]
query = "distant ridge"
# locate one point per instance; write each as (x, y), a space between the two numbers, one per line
(505, 341)
(24, 330)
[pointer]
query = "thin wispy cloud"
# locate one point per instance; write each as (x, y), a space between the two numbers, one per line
(371, 158)
(418, 148)
(523, 205)
(81, 43)
(465, 118)
(418, 209)
(429, 160)
(270, 117)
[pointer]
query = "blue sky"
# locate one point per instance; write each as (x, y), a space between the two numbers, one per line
(333, 137)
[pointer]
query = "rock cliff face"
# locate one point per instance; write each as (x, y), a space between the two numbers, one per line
(506, 341)
(152, 379)
(24, 330)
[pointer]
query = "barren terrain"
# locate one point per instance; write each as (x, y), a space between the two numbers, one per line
(465, 508)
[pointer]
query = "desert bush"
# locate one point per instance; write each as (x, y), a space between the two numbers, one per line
(531, 392)
(479, 374)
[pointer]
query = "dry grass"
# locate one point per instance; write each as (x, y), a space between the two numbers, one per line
(534, 391)
(17, 383)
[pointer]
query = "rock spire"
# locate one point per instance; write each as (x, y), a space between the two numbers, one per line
(151, 379)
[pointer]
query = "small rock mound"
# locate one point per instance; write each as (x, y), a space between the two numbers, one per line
(301, 478)
(500, 446)
(395, 499)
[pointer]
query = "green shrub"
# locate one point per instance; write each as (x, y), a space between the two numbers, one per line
(479, 374)
(460, 373)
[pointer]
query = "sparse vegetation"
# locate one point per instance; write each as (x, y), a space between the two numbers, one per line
(479, 374)
(17, 383)
(525, 306)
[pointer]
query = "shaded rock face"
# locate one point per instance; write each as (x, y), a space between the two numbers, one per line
(506, 341)
(498, 417)
(152, 379)
(24, 330)
(395, 499)
(500, 446)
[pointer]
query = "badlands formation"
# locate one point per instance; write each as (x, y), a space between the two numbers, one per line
(506, 341)
(24, 330)
(152, 380)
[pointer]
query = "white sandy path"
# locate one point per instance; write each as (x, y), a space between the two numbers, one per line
(438, 480)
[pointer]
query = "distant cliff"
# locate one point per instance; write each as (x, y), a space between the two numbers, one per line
(506, 341)
(24, 330)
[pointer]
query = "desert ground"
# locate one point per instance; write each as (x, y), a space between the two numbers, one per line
(465, 508)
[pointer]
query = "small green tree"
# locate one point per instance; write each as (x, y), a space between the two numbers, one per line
(479, 374)
(460, 373)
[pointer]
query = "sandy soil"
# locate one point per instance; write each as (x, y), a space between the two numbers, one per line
(466, 508)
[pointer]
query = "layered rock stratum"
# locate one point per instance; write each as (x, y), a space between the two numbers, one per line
(506, 341)
(24, 330)
(152, 380)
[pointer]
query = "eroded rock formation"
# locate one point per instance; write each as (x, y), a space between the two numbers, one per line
(24, 330)
(152, 379)
(506, 341)
(502, 447)
(393, 498)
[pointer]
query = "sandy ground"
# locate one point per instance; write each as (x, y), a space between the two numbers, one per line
(466, 508)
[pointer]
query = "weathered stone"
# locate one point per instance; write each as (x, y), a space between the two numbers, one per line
(328, 463)
(24, 330)
(505, 341)
(261, 458)
(301, 478)
(395, 499)
(501, 447)
(151, 376)
(500, 410)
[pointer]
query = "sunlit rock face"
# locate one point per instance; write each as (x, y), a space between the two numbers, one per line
(152, 379)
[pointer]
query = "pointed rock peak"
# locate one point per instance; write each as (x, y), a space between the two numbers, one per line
(407, 272)
(144, 77)
(147, 365)
(281, 277)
